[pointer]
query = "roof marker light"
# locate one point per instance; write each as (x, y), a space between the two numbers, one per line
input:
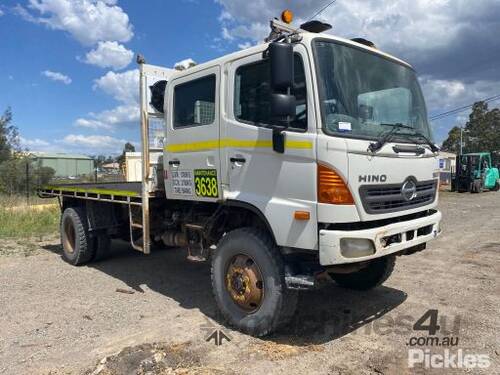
(287, 16)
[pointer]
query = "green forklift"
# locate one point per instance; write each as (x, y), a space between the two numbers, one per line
(475, 173)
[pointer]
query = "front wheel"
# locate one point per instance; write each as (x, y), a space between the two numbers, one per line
(248, 282)
(496, 187)
(373, 275)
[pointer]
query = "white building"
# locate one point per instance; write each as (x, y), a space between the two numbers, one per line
(447, 166)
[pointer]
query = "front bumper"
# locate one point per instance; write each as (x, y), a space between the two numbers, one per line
(387, 239)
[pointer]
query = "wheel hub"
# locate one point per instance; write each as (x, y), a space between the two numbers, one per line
(69, 239)
(244, 282)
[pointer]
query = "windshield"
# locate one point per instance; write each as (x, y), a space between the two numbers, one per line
(362, 94)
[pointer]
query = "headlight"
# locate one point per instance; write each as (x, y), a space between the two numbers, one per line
(356, 247)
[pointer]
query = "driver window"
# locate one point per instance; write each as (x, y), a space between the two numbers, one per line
(252, 94)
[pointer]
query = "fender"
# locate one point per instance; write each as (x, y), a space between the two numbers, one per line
(252, 208)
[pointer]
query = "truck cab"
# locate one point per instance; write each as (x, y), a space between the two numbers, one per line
(326, 191)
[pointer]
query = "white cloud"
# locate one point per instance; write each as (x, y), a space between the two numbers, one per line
(88, 21)
(35, 144)
(409, 29)
(255, 31)
(92, 143)
(420, 24)
(225, 16)
(86, 144)
(184, 64)
(244, 45)
(1, 12)
(124, 88)
(109, 55)
(442, 95)
(226, 34)
(126, 113)
(56, 76)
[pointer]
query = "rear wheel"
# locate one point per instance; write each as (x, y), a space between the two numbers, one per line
(77, 246)
(249, 283)
(376, 273)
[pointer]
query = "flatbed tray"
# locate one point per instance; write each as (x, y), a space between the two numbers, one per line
(127, 189)
(122, 192)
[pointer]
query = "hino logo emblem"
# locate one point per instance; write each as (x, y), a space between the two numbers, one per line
(372, 178)
(409, 190)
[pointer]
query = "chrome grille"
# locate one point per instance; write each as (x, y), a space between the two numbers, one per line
(378, 199)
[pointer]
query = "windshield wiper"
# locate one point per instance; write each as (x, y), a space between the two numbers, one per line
(417, 134)
(384, 137)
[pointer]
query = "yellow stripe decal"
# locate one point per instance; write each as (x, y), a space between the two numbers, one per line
(234, 143)
(123, 193)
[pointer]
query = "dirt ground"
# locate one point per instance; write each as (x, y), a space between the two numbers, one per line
(59, 319)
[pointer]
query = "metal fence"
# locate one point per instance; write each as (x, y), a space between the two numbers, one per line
(22, 178)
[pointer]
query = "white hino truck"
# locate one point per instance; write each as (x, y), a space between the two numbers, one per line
(305, 155)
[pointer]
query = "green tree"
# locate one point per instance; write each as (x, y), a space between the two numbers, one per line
(129, 147)
(452, 143)
(9, 136)
(99, 160)
(481, 133)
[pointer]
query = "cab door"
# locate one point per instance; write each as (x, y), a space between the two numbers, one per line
(192, 160)
(276, 184)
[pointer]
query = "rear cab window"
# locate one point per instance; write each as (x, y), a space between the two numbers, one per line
(194, 102)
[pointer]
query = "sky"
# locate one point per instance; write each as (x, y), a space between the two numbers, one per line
(68, 68)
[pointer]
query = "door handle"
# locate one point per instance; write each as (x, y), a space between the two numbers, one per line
(174, 162)
(237, 160)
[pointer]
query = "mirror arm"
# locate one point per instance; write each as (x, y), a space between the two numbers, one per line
(279, 140)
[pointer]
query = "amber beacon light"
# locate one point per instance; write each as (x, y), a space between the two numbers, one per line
(287, 16)
(331, 187)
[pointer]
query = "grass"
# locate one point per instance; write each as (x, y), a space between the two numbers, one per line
(20, 220)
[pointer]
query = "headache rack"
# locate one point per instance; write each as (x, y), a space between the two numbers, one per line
(136, 195)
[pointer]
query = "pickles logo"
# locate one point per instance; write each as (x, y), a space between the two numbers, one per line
(215, 334)
(436, 350)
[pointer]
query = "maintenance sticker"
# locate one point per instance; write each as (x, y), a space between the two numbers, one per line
(182, 182)
(205, 182)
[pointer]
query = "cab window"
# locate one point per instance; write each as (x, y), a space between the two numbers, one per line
(194, 102)
(253, 91)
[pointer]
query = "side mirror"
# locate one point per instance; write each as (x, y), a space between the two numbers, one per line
(282, 109)
(281, 60)
(282, 102)
(282, 106)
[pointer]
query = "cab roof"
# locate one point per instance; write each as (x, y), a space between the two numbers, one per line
(306, 38)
